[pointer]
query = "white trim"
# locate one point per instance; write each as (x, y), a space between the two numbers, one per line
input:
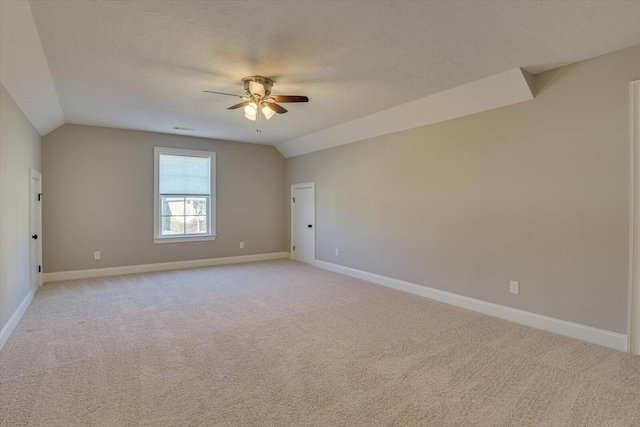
(562, 327)
(311, 185)
(14, 319)
(506, 88)
(147, 268)
(195, 238)
(213, 195)
(633, 328)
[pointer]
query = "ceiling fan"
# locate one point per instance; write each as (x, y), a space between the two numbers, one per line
(258, 100)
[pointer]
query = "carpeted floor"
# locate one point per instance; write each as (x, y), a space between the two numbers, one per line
(283, 343)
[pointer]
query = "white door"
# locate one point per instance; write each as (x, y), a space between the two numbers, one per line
(35, 229)
(303, 235)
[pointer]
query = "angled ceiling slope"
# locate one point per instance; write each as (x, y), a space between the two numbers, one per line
(24, 71)
(499, 90)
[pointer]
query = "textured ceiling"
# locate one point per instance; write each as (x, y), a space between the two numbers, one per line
(143, 64)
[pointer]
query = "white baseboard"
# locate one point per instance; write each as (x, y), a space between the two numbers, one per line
(147, 268)
(562, 327)
(14, 319)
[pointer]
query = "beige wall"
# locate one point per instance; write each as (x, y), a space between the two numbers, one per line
(98, 186)
(536, 192)
(19, 151)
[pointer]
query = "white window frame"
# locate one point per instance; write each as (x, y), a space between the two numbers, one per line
(157, 235)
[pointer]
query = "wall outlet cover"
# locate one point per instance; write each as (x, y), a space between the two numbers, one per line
(514, 287)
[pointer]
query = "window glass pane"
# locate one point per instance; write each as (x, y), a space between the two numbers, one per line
(172, 205)
(196, 224)
(172, 225)
(184, 174)
(196, 206)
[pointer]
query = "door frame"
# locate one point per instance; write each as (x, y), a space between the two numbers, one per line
(311, 185)
(633, 329)
(33, 202)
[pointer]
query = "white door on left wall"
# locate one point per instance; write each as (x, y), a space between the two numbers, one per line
(35, 229)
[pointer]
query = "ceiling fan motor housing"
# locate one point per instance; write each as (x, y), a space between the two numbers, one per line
(264, 81)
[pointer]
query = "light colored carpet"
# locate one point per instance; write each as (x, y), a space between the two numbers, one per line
(283, 343)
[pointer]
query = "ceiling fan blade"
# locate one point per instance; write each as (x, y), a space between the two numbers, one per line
(228, 94)
(277, 108)
(242, 104)
(289, 98)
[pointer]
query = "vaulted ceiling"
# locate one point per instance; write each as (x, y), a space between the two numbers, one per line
(144, 64)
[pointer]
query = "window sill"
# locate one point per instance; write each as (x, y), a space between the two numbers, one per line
(183, 239)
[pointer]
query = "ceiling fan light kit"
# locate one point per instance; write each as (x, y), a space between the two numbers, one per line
(268, 112)
(258, 101)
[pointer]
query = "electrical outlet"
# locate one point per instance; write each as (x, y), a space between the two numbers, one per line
(241, 245)
(337, 252)
(96, 255)
(513, 287)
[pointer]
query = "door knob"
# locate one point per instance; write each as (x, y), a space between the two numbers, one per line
(310, 226)
(35, 236)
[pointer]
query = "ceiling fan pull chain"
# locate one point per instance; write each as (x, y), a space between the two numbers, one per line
(258, 113)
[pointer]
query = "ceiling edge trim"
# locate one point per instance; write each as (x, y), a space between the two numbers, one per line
(506, 88)
(25, 70)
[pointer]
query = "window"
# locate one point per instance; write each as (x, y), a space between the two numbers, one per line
(184, 199)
